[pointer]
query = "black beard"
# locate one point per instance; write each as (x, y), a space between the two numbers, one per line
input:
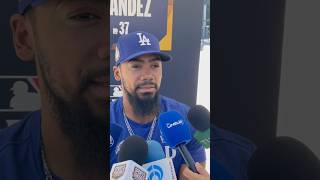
(143, 107)
(86, 132)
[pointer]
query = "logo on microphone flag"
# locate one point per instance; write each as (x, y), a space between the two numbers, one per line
(119, 171)
(162, 169)
(156, 171)
(139, 174)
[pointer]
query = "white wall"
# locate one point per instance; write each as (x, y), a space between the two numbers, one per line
(299, 101)
(203, 90)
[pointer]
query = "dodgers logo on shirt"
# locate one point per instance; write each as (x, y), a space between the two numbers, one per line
(111, 141)
(155, 172)
(118, 147)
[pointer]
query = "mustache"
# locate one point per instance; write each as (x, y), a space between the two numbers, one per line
(88, 78)
(146, 83)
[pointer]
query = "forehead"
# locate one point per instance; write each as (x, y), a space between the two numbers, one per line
(105, 1)
(146, 58)
(50, 6)
(62, 2)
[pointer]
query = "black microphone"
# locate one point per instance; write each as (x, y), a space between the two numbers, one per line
(133, 148)
(199, 117)
(283, 158)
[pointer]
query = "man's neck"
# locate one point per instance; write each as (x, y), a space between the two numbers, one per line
(58, 150)
(130, 113)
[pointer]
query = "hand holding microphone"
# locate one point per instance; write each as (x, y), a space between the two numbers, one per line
(188, 174)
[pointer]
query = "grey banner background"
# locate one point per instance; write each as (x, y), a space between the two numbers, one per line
(180, 75)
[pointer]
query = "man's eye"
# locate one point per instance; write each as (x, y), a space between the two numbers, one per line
(85, 17)
(155, 65)
(136, 66)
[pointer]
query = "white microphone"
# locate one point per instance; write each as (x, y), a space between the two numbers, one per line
(128, 170)
(157, 165)
(132, 154)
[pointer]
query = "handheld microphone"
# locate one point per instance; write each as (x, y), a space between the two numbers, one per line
(155, 151)
(176, 133)
(132, 154)
(199, 117)
(283, 158)
(158, 166)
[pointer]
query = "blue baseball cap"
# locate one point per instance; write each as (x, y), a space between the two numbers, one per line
(135, 44)
(25, 4)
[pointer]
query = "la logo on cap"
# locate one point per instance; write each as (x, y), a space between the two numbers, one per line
(143, 40)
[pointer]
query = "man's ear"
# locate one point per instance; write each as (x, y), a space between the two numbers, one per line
(117, 73)
(22, 36)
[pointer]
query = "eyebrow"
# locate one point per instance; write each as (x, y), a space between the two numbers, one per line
(150, 60)
(62, 2)
(141, 61)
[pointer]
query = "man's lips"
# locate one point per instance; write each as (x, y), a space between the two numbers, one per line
(99, 87)
(146, 88)
(100, 80)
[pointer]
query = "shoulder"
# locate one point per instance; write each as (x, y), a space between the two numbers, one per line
(116, 110)
(17, 148)
(168, 104)
(229, 139)
(14, 134)
(232, 151)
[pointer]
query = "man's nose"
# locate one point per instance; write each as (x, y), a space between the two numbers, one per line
(147, 74)
(103, 51)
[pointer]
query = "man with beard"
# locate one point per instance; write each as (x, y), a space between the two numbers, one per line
(139, 68)
(67, 40)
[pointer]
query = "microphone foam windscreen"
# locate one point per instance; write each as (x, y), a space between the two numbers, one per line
(174, 129)
(199, 117)
(283, 158)
(133, 148)
(115, 132)
(155, 151)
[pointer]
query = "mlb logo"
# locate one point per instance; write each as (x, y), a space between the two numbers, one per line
(116, 92)
(19, 96)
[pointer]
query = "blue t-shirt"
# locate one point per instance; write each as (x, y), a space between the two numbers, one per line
(231, 151)
(166, 104)
(20, 155)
